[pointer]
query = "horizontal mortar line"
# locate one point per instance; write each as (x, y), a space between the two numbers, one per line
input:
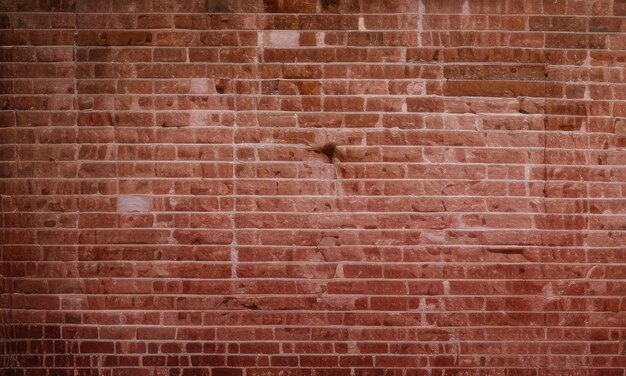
(338, 49)
(331, 95)
(447, 229)
(323, 15)
(430, 113)
(538, 326)
(350, 15)
(553, 67)
(264, 163)
(258, 131)
(334, 62)
(420, 161)
(347, 95)
(343, 163)
(389, 180)
(282, 340)
(409, 33)
(258, 14)
(330, 131)
(366, 131)
(345, 180)
(239, 208)
(259, 48)
(272, 144)
(313, 326)
(401, 61)
(325, 78)
(278, 112)
(320, 213)
(277, 295)
(374, 132)
(332, 354)
(401, 46)
(425, 213)
(340, 111)
(343, 367)
(74, 196)
(441, 245)
(299, 262)
(322, 354)
(598, 248)
(305, 80)
(294, 113)
(347, 15)
(538, 341)
(281, 368)
(441, 74)
(441, 77)
(362, 327)
(582, 247)
(400, 196)
(356, 294)
(329, 341)
(408, 246)
(322, 78)
(300, 279)
(286, 262)
(334, 229)
(330, 326)
(338, 312)
(424, 367)
(365, 368)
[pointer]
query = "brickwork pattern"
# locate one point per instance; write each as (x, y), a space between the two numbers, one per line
(313, 187)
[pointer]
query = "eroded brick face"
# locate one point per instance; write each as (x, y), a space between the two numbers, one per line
(313, 187)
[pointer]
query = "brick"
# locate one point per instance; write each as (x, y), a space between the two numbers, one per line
(281, 39)
(313, 187)
(96, 347)
(494, 88)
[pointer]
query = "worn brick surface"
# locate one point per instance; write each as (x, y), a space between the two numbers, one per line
(313, 187)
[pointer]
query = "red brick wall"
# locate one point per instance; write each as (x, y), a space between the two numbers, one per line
(313, 187)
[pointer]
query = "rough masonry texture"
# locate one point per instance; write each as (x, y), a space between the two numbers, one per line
(313, 187)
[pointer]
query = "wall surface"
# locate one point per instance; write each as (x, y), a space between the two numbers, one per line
(313, 187)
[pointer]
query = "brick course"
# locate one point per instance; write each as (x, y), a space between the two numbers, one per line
(313, 187)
